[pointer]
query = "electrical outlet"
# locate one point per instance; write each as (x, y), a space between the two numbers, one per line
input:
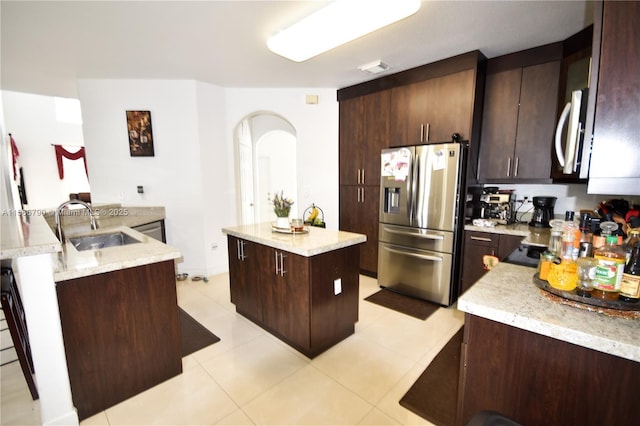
(337, 286)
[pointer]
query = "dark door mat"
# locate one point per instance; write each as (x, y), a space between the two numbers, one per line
(434, 396)
(416, 308)
(195, 336)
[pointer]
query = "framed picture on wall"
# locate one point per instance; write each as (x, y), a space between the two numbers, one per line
(140, 134)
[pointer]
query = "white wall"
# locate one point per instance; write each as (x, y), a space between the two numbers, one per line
(316, 129)
(173, 178)
(32, 121)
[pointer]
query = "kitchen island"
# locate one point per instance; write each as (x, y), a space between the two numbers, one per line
(541, 362)
(303, 288)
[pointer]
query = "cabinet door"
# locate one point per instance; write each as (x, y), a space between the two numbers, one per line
(244, 277)
(616, 134)
(507, 244)
(476, 246)
(359, 207)
(408, 113)
(499, 122)
(375, 135)
(450, 106)
(285, 295)
(351, 135)
(536, 121)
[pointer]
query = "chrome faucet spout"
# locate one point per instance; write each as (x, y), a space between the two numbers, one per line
(61, 207)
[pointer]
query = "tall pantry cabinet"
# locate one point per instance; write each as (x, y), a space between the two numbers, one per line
(364, 128)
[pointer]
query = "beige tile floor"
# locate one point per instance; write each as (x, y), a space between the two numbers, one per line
(250, 377)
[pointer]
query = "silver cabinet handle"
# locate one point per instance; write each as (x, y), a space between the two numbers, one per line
(416, 255)
(358, 194)
(276, 261)
(509, 167)
(515, 169)
(485, 239)
(422, 132)
(363, 177)
(362, 198)
(427, 135)
(238, 249)
(282, 271)
(413, 234)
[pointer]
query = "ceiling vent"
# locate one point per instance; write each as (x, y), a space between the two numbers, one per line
(375, 67)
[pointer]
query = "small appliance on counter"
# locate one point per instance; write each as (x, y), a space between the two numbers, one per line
(499, 207)
(542, 211)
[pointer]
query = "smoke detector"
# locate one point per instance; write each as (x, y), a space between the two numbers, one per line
(375, 67)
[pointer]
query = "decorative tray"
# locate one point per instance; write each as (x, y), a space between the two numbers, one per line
(289, 230)
(632, 309)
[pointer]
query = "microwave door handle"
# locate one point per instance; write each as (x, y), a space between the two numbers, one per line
(558, 138)
(573, 132)
(576, 159)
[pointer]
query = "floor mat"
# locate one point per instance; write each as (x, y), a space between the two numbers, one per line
(195, 336)
(416, 308)
(434, 395)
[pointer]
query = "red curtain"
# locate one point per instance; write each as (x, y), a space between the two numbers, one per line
(61, 152)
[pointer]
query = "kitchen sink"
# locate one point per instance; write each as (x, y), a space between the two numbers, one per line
(92, 242)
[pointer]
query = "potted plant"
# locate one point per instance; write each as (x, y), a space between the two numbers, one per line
(282, 208)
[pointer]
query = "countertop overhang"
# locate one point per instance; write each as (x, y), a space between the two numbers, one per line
(506, 294)
(316, 241)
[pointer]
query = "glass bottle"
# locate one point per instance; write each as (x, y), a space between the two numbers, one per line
(610, 260)
(555, 238)
(630, 284)
(564, 276)
(632, 239)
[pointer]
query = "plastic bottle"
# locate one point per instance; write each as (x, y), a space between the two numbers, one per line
(630, 284)
(610, 260)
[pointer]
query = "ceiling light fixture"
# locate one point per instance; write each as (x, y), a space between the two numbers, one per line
(375, 67)
(337, 23)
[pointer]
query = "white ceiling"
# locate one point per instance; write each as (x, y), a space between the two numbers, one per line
(48, 45)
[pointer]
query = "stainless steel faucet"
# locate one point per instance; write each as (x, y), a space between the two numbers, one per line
(60, 234)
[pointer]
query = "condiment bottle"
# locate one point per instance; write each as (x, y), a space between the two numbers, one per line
(544, 266)
(610, 260)
(630, 284)
(555, 238)
(634, 237)
(564, 276)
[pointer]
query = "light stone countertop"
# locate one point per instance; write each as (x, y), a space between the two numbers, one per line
(71, 263)
(26, 236)
(506, 294)
(316, 241)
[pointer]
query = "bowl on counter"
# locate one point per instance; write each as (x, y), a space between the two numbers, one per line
(181, 277)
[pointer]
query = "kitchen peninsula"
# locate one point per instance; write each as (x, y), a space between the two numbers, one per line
(115, 309)
(540, 362)
(303, 288)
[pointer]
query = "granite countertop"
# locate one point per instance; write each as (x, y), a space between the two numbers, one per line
(506, 294)
(316, 241)
(26, 236)
(532, 236)
(71, 263)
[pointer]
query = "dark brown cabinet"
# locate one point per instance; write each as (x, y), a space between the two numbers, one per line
(433, 110)
(616, 129)
(537, 380)
(476, 246)
(364, 129)
(519, 123)
(294, 297)
(121, 334)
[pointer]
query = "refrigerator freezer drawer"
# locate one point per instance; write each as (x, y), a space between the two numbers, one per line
(418, 273)
(424, 239)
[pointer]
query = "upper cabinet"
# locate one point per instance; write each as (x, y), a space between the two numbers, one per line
(615, 156)
(364, 132)
(519, 115)
(433, 110)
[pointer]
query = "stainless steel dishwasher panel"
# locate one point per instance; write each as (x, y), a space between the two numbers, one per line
(420, 238)
(423, 274)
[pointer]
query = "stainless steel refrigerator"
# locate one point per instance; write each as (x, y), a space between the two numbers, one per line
(421, 220)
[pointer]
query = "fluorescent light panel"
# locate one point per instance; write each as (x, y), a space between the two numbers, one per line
(337, 23)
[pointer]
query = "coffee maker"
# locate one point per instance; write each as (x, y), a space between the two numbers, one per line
(500, 207)
(542, 211)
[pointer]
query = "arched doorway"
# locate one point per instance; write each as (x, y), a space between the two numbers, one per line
(266, 163)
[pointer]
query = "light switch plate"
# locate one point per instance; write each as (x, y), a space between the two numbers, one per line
(337, 286)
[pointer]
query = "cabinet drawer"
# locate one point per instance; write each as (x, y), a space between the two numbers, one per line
(481, 238)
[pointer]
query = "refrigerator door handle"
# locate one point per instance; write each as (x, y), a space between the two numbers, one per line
(414, 188)
(413, 234)
(416, 255)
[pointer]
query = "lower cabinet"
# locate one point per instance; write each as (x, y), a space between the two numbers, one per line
(476, 246)
(359, 213)
(121, 334)
(541, 381)
(296, 298)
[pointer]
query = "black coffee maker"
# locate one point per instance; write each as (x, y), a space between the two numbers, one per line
(542, 212)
